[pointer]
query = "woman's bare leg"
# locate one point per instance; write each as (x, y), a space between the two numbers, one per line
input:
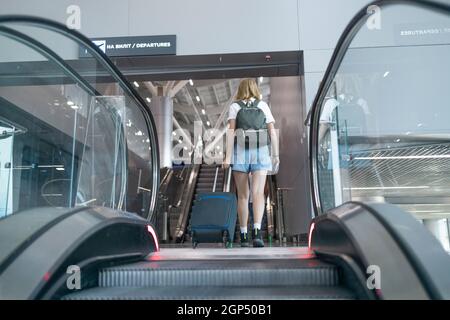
(258, 184)
(241, 179)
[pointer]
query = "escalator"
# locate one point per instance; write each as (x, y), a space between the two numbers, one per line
(81, 182)
(195, 179)
(215, 279)
(191, 181)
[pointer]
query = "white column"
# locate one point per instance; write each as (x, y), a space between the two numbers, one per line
(162, 111)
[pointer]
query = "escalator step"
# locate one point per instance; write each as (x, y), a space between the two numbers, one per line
(209, 180)
(213, 293)
(207, 184)
(203, 190)
(220, 273)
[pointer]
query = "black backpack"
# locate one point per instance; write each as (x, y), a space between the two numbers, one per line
(251, 125)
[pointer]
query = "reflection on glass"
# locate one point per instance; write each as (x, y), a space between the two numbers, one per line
(70, 135)
(384, 133)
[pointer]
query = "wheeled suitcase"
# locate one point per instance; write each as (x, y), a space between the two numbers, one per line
(213, 218)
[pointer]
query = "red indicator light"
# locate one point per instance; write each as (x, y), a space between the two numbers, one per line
(155, 238)
(47, 276)
(311, 230)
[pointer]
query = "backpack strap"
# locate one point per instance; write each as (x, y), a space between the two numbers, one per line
(243, 105)
(255, 103)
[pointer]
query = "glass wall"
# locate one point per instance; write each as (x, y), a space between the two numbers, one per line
(71, 133)
(384, 132)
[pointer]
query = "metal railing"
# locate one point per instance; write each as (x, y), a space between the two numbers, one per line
(227, 180)
(189, 193)
(215, 180)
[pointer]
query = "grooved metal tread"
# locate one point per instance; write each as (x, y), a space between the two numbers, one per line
(221, 273)
(213, 293)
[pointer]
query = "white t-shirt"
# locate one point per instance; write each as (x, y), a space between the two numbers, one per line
(235, 107)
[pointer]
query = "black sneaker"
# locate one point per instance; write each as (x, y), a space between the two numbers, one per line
(244, 239)
(257, 239)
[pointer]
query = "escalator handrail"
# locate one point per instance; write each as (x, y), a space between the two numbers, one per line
(50, 55)
(227, 180)
(341, 48)
(116, 74)
(358, 231)
(188, 189)
(215, 179)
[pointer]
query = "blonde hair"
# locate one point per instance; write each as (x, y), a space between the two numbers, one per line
(248, 89)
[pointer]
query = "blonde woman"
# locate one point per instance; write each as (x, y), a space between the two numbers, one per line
(251, 122)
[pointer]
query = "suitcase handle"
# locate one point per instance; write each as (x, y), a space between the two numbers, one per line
(215, 179)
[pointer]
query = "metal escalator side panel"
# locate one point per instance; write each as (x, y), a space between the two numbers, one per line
(383, 237)
(430, 261)
(81, 239)
(364, 149)
(342, 48)
(17, 232)
(189, 190)
(50, 55)
(100, 60)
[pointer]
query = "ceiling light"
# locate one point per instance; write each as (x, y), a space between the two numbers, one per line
(70, 103)
(138, 133)
(261, 79)
(398, 140)
(136, 84)
(203, 111)
(208, 123)
(129, 123)
(148, 99)
(148, 140)
(197, 98)
(386, 74)
(436, 156)
(75, 107)
(174, 133)
(388, 188)
(191, 82)
(60, 169)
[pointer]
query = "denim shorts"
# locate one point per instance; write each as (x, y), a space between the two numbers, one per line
(251, 159)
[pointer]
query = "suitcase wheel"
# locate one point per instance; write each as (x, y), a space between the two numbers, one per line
(194, 243)
(226, 239)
